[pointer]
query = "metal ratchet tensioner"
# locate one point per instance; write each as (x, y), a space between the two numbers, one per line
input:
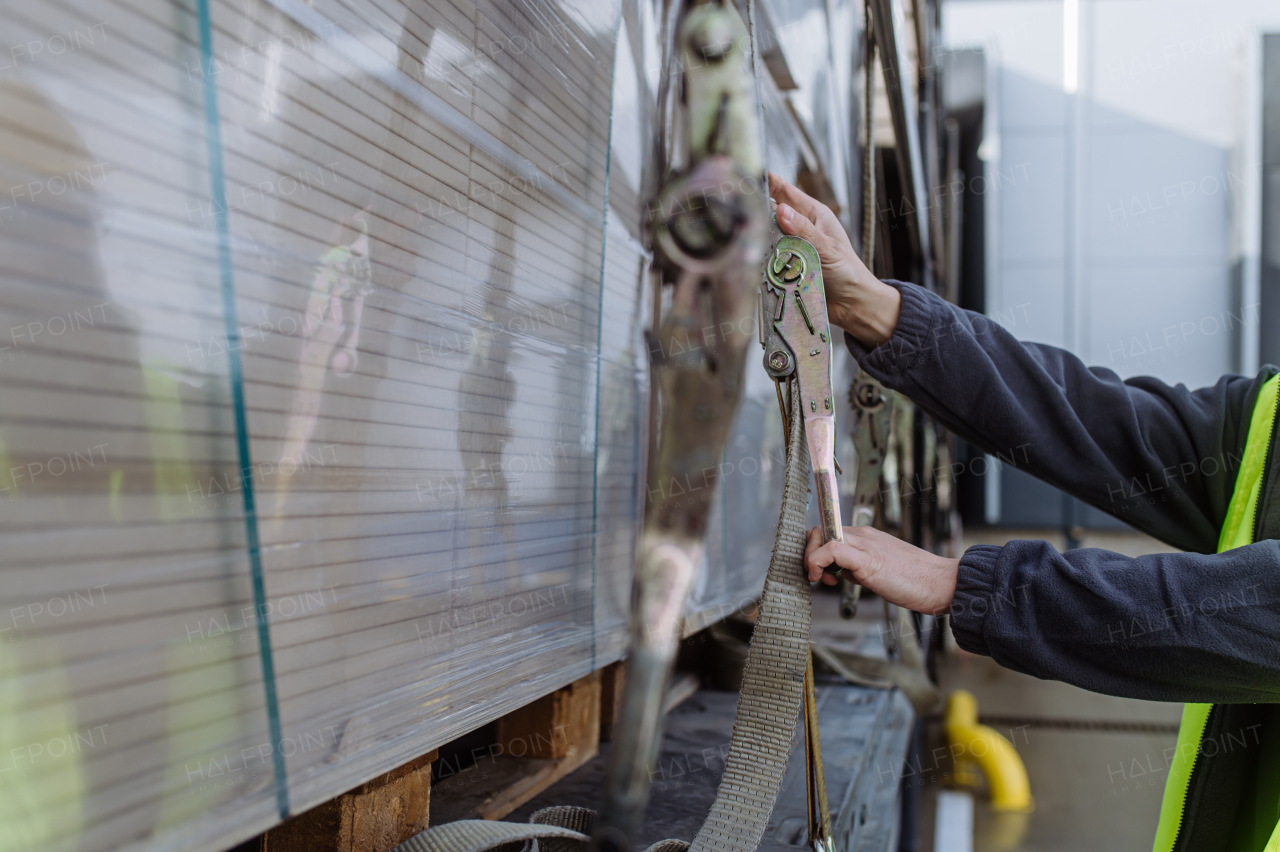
(872, 430)
(797, 345)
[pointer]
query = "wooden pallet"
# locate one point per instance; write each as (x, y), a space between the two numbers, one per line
(377, 816)
(535, 747)
(612, 678)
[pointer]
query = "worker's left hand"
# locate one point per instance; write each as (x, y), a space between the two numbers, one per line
(857, 301)
(896, 571)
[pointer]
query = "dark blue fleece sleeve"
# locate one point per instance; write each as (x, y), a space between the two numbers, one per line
(1164, 627)
(1163, 459)
(1197, 626)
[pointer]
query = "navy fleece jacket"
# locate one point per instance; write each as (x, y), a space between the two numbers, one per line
(1195, 626)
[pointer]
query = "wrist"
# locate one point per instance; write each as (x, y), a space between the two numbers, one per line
(868, 310)
(949, 572)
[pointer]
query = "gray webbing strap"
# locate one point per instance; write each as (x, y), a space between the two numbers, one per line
(765, 724)
(773, 684)
(479, 835)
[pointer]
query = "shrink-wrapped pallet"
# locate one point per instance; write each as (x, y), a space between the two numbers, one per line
(323, 395)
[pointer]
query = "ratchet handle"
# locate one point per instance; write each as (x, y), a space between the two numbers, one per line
(829, 508)
(821, 432)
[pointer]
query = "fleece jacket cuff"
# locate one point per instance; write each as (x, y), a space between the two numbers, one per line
(975, 587)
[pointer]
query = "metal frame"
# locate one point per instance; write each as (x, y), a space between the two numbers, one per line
(890, 31)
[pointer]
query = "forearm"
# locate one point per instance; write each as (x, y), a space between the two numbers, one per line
(1165, 627)
(1103, 440)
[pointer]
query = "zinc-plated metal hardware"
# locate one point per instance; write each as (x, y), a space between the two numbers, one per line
(794, 274)
(872, 427)
(804, 312)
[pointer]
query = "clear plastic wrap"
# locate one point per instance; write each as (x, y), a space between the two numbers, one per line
(324, 395)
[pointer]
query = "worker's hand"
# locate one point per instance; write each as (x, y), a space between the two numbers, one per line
(894, 570)
(857, 301)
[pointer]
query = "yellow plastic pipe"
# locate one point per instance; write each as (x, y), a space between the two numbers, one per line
(995, 756)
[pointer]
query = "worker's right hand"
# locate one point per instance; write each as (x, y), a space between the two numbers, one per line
(857, 301)
(899, 572)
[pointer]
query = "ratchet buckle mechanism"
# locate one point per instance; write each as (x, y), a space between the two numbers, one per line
(877, 474)
(797, 348)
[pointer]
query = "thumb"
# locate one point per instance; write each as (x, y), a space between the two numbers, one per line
(791, 222)
(833, 552)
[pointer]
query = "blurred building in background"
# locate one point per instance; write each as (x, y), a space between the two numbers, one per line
(1129, 189)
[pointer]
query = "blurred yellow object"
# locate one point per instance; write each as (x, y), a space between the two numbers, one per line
(1002, 832)
(972, 744)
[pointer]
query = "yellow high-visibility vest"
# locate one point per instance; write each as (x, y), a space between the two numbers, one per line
(1237, 531)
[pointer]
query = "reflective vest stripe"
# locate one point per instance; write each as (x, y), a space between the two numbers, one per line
(1237, 531)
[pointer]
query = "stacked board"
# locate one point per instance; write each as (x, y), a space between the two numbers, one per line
(324, 400)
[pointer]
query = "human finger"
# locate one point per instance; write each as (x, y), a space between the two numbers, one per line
(813, 540)
(817, 559)
(792, 222)
(791, 194)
